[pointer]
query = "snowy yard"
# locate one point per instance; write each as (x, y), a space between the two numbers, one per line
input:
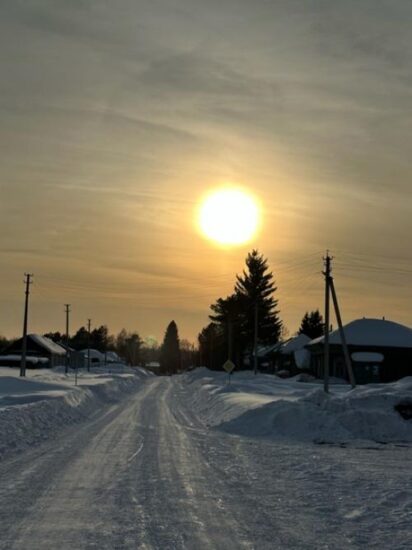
(267, 406)
(132, 461)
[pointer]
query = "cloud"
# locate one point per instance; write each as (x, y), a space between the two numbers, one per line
(117, 117)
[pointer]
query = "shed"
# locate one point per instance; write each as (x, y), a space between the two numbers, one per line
(380, 350)
(96, 357)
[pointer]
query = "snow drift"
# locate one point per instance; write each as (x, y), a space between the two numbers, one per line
(38, 407)
(266, 406)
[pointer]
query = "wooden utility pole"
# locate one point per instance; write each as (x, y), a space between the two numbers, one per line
(326, 273)
(342, 335)
(330, 289)
(255, 340)
(89, 324)
(67, 309)
(28, 282)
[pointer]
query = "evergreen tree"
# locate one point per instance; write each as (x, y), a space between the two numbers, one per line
(129, 345)
(56, 337)
(212, 347)
(100, 339)
(80, 340)
(170, 360)
(187, 355)
(312, 324)
(255, 289)
(4, 342)
(229, 315)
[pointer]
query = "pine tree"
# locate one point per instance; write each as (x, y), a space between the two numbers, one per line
(170, 360)
(80, 339)
(212, 346)
(312, 324)
(256, 289)
(128, 345)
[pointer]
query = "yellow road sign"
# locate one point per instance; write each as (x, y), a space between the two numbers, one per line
(229, 366)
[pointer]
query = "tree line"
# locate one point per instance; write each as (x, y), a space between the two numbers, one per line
(174, 355)
(249, 316)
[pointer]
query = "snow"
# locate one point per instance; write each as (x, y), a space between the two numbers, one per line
(94, 354)
(266, 406)
(372, 332)
(48, 344)
(302, 358)
(112, 357)
(154, 464)
(29, 359)
(294, 344)
(367, 357)
(36, 407)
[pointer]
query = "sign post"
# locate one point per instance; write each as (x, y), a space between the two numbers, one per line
(229, 367)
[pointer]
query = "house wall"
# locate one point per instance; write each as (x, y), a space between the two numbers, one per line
(397, 364)
(35, 350)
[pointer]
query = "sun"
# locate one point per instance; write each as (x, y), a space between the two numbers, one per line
(229, 217)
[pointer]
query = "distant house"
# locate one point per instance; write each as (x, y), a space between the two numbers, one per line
(41, 352)
(112, 357)
(380, 351)
(289, 355)
(96, 357)
(292, 356)
(153, 366)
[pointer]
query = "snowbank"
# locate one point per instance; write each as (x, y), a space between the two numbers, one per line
(39, 406)
(266, 406)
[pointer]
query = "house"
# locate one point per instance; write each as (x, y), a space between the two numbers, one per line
(113, 357)
(380, 351)
(97, 358)
(292, 356)
(40, 352)
(289, 355)
(153, 366)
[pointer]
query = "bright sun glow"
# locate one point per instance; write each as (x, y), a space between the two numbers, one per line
(229, 217)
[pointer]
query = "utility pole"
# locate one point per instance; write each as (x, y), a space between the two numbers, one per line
(67, 309)
(342, 335)
(89, 323)
(28, 282)
(255, 341)
(326, 273)
(330, 289)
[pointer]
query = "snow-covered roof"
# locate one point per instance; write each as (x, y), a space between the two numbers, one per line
(29, 358)
(94, 354)
(367, 357)
(47, 344)
(372, 332)
(294, 344)
(113, 357)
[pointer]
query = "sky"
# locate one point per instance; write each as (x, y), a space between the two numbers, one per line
(117, 118)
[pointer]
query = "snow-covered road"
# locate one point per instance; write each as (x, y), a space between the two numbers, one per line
(146, 473)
